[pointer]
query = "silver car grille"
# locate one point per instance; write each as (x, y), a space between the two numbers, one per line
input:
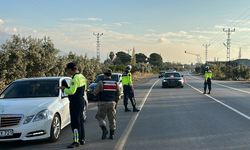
(10, 120)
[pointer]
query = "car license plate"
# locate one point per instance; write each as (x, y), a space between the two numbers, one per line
(4, 133)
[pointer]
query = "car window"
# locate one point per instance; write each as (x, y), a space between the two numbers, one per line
(101, 77)
(167, 75)
(32, 89)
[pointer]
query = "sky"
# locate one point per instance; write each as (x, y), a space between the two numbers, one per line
(167, 27)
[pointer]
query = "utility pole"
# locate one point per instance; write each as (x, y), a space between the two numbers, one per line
(206, 51)
(133, 59)
(240, 53)
(98, 35)
(228, 44)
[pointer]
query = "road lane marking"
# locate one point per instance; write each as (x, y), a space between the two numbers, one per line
(124, 137)
(218, 101)
(232, 88)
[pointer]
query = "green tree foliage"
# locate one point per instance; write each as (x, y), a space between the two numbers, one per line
(141, 58)
(227, 71)
(111, 56)
(29, 57)
(155, 59)
(122, 58)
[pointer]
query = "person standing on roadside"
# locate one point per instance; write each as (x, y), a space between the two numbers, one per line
(128, 90)
(75, 93)
(208, 80)
(108, 93)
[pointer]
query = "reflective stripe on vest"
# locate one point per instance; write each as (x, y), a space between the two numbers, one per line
(109, 86)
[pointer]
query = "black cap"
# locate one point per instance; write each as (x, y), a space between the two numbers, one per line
(71, 65)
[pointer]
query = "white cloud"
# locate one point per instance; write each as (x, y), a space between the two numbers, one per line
(220, 26)
(118, 24)
(2, 21)
(151, 30)
(242, 29)
(205, 32)
(77, 19)
(94, 19)
(240, 22)
(73, 19)
(14, 30)
(163, 40)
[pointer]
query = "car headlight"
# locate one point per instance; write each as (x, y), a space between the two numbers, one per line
(41, 115)
(181, 80)
(28, 119)
(164, 81)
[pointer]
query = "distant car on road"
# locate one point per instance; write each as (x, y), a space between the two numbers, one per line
(34, 108)
(115, 77)
(172, 79)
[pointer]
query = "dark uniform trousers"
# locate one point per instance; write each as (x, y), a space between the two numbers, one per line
(128, 94)
(207, 84)
(76, 117)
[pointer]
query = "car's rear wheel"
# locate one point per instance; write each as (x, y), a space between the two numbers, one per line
(55, 129)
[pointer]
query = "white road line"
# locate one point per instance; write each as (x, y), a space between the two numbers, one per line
(124, 137)
(218, 101)
(232, 88)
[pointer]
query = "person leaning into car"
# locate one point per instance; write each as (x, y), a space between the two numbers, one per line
(108, 93)
(75, 93)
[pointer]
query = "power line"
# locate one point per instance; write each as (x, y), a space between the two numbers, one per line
(242, 18)
(228, 44)
(98, 35)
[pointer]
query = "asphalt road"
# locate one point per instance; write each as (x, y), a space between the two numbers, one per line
(170, 119)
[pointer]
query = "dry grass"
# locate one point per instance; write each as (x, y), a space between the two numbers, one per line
(137, 76)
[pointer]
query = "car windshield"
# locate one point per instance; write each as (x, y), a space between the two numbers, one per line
(32, 89)
(101, 77)
(167, 75)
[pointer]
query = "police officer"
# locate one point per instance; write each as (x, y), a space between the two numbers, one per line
(208, 80)
(108, 93)
(128, 90)
(75, 93)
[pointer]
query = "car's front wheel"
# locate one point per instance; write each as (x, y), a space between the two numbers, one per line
(55, 129)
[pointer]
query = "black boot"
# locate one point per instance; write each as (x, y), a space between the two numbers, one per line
(73, 145)
(136, 109)
(82, 142)
(204, 92)
(111, 134)
(104, 132)
(126, 109)
(208, 92)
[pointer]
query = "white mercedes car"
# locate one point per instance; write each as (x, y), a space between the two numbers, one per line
(34, 108)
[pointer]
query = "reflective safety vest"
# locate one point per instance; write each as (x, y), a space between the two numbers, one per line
(109, 91)
(208, 75)
(127, 79)
(75, 92)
